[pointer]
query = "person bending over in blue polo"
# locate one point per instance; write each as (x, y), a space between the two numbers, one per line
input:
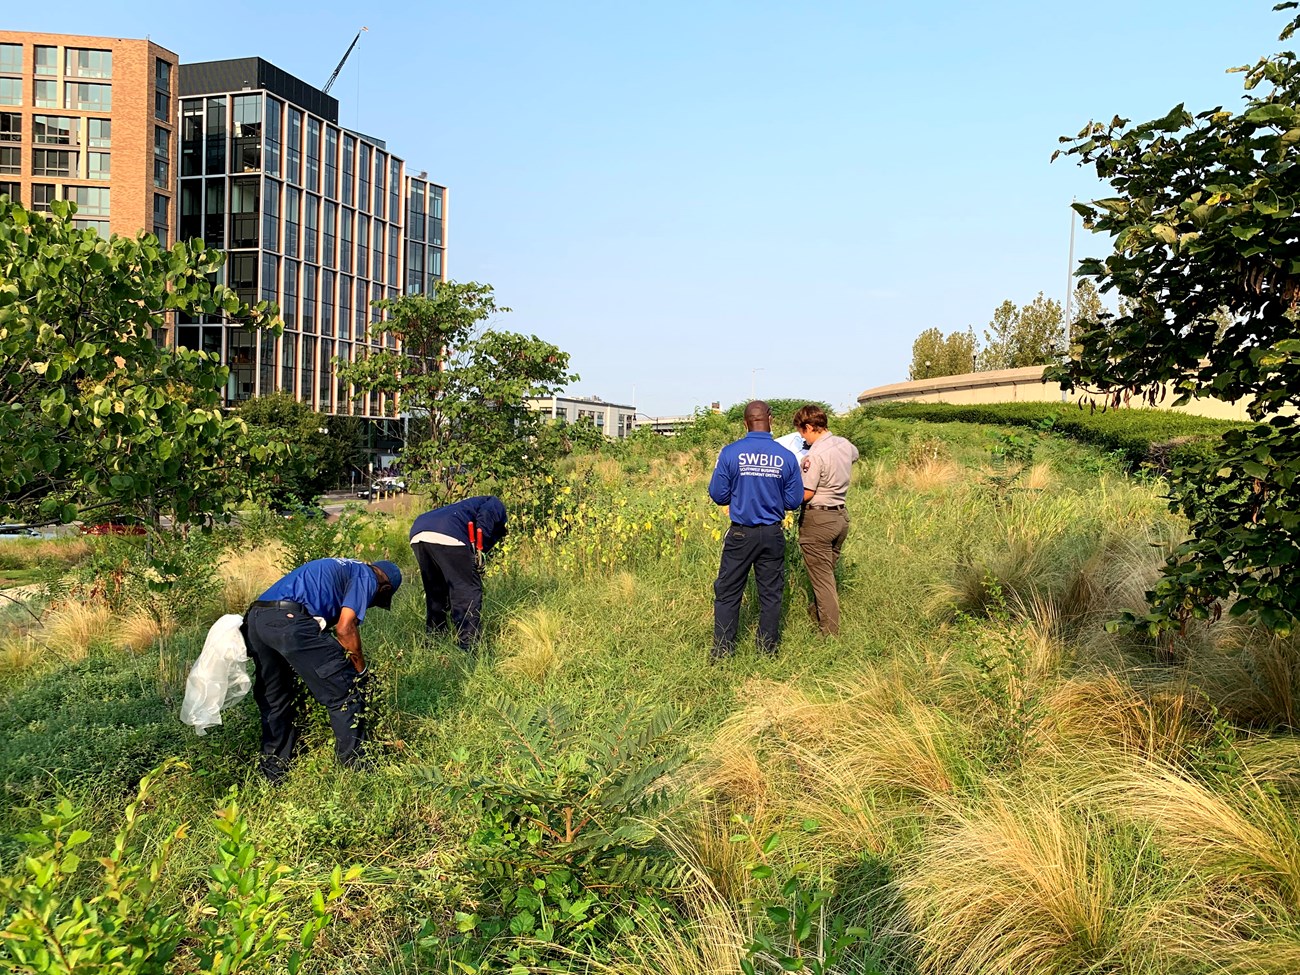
(760, 481)
(451, 565)
(286, 633)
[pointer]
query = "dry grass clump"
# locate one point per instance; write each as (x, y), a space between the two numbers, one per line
(1242, 835)
(141, 630)
(246, 574)
(71, 628)
(1104, 719)
(1021, 884)
(927, 476)
(1039, 477)
(19, 651)
(531, 647)
(1252, 675)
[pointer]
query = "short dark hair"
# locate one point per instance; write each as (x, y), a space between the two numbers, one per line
(810, 415)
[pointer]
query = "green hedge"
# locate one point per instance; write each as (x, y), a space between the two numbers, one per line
(1160, 438)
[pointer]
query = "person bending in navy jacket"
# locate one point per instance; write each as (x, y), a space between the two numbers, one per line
(760, 480)
(449, 564)
(285, 631)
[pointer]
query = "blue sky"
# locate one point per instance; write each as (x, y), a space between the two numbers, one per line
(691, 198)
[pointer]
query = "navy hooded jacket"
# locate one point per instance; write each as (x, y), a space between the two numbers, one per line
(485, 511)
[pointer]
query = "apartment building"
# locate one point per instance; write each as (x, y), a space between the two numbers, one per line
(90, 119)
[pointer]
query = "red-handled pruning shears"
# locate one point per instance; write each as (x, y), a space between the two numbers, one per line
(476, 545)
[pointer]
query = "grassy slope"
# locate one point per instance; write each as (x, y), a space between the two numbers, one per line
(959, 767)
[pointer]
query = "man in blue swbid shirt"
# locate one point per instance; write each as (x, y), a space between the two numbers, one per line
(760, 480)
(450, 566)
(284, 630)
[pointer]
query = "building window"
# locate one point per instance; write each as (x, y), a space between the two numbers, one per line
(377, 265)
(245, 214)
(85, 97)
(271, 216)
(247, 131)
(11, 58)
(308, 387)
(326, 380)
(92, 201)
(267, 363)
(100, 134)
(363, 244)
(310, 227)
(47, 60)
(292, 211)
(162, 75)
(43, 194)
(86, 63)
(313, 155)
(11, 91)
(329, 219)
(11, 159)
(54, 130)
(160, 207)
(53, 162)
(271, 156)
(331, 163)
(162, 102)
(289, 302)
(192, 138)
(162, 174)
(363, 170)
(242, 276)
(345, 306)
(414, 268)
(327, 302)
(435, 264)
(240, 358)
(216, 136)
(270, 276)
(394, 189)
(46, 93)
(99, 165)
(345, 241)
(381, 198)
(349, 164)
(98, 226)
(162, 143)
(392, 254)
(214, 223)
(13, 191)
(191, 225)
(293, 148)
(11, 127)
(309, 298)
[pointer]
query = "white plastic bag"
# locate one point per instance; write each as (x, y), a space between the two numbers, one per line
(219, 678)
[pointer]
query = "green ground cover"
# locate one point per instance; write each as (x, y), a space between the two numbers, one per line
(975, 777)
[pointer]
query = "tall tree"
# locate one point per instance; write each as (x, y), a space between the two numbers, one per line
(464, 388)
(95, 415)
(323, 449)
(935, 355)
(1206, 263)
(1031, 335)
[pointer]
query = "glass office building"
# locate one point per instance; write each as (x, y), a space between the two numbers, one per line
(312, 216)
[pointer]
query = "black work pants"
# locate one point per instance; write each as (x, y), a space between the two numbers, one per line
(290, 650)
(452, 587)
(761, 547)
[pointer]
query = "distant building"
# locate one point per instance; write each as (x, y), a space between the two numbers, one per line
(612, 419)
(666, 425)
(91, 120)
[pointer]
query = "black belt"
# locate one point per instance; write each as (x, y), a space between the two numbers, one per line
(281, 604)
(736, 524)
(827, 507)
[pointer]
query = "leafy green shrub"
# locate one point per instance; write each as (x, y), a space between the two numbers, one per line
(54, 923)
(306, 538)
(564, 842)
(1158, 437)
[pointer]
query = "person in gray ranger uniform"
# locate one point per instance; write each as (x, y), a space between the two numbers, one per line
(824, 523)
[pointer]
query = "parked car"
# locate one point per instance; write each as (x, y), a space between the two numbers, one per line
(382, 486)
(18, 531)
(114, 526)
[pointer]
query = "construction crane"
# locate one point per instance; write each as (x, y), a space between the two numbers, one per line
(343, 60)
